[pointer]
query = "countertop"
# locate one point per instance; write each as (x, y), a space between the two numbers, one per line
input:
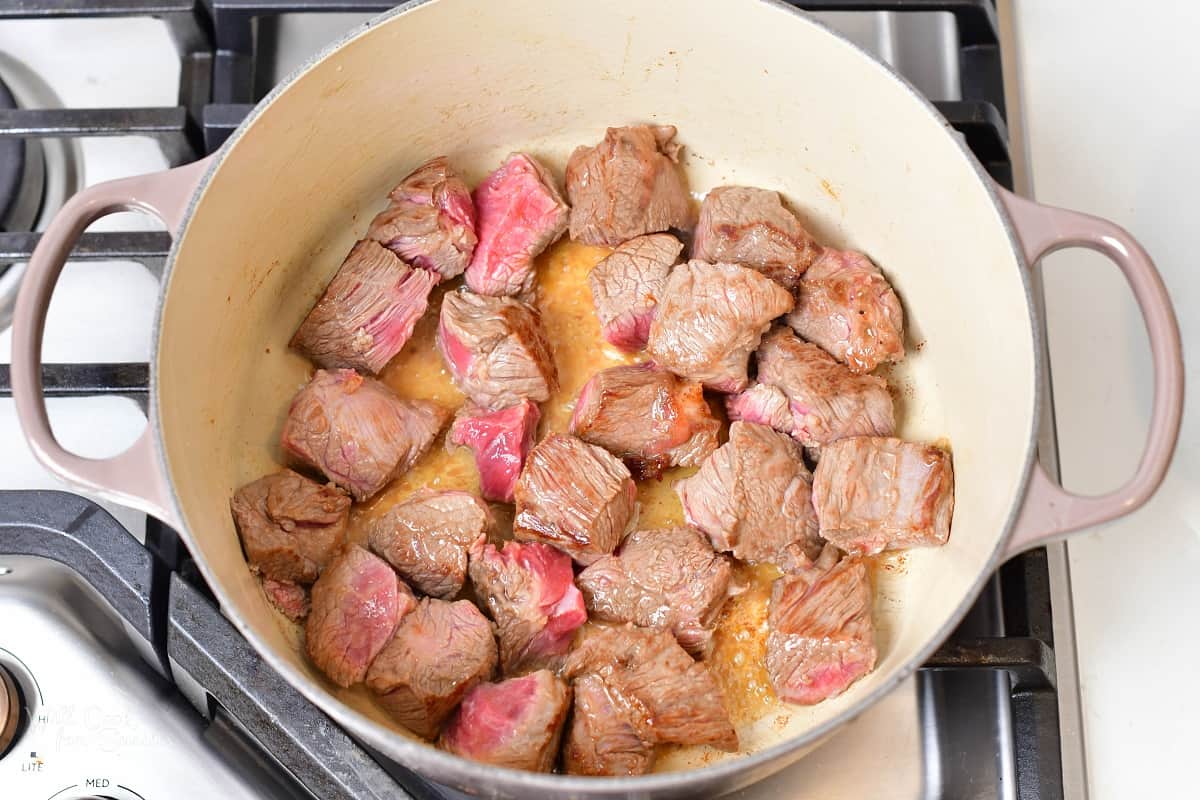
(1112, 114)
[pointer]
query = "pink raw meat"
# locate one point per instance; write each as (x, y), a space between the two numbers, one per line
(529, 588)
(520, 214)
(501, 440)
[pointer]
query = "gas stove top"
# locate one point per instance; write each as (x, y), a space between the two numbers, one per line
(125, 681)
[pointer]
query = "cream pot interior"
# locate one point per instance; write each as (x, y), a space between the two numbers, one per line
(761, 95)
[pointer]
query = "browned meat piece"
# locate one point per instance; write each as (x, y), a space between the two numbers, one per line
(430, 222)
(753, 496)
(846, 306)
(712, 317)
(439, 653)
(290, 526)
(669, 579)
(367, 312)
(762, 405)
(516, 723)
(356, 605)
(826, 400)
(682, 700)
(874, 494)
(520, 214)
(609, 732)
(357, 431)
(822, 638)
(529, 589)
(627, 185)
(752, 227)
(501, 440)
(627, 286)
(495, 349)
(426, 539)
(290, 599)
(647, 417)
(575, 496)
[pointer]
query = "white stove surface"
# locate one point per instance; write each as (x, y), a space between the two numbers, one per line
(1112, 113)
(102, 311)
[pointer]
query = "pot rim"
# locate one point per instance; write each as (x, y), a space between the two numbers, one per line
(446, 767)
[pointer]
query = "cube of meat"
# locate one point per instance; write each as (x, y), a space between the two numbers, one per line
(439, 653)
(609, 732)
(827, 401)
(367, 312)
(627, 185)
(753, 496)
(426, 539)
(529, 589)
(822, 638)
(712, 317)
(846, 306)
(521, 213)
(495, 349)
(749, 226)
(575, 496)
(430, 222)
(290, 526)
(683, 702)
(356, 605)
(762, 405)
(669, 579)
(501, 440)
(627, 286)
(873, 493)
(516, 723)
(647, 417)
(289, 599)
(357, 431)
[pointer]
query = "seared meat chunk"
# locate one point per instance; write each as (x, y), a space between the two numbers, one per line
(822, 638)
(873, 493)
(529, 589)
(846, 306)
(500, 440)
(290, 599)
(753, 496)
(426, 539)
(826, 400)
(356, 605)
(430, 222)
(749, 226)
(711, 318)
(516, 723)
(647, 417)
(357, 431)
(762, 405)
(367, 312)
(627, 185)
(669, 579)
(290, 526)
(439, 653)
(575, 496)
(609, 732)
(521, 213)
(682, 700)
(627, 286)
(495, 349)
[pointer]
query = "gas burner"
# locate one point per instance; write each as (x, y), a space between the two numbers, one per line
(36, 175)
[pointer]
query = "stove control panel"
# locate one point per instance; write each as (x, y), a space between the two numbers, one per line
(83, 715)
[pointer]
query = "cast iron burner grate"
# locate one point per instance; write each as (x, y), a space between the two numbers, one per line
(1009, 630)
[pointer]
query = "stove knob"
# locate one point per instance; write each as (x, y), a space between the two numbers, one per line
(10, 710)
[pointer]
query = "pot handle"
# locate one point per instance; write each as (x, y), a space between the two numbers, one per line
(133, 478)
(1049, 511)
